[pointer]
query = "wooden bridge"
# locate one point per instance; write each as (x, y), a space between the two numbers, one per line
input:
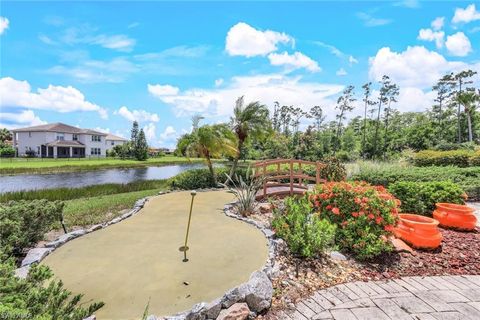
(286, 176)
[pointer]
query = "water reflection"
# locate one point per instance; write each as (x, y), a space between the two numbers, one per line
(87, 178)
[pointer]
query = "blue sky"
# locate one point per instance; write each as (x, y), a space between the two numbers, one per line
(103, 64)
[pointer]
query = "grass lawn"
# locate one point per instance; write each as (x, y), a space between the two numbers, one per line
(36, 165)
(93, 210)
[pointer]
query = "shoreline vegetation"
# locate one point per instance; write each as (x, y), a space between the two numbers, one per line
(12, 166)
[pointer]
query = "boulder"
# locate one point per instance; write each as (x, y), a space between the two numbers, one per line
(213, 309)
(238, 311)
(265, 207)
(22, 272)
(260, 291)
(198, 312)
(65, 237)
(235, 295)
(92, 317)
(95, 228)
(35, 255)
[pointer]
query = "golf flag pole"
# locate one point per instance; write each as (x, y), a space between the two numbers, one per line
(185, 248)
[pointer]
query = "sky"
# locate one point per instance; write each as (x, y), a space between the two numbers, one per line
(101, 65)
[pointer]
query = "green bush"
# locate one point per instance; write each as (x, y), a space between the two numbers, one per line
(333, 171)
(364, 215)
(475, 159)
(459, 158)
(38, 297)
(7, 152)
(202, 179)
(23, 223)
(447, 146)
(466, 178)
(305, 233)
(420, 197)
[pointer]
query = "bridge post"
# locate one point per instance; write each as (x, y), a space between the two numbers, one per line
(291, 176)
(317, 174)
(265, 179)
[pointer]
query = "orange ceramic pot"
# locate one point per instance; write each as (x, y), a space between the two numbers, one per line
(455, 215)
(418, 231)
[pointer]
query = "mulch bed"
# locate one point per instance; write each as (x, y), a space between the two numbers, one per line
(459, 254)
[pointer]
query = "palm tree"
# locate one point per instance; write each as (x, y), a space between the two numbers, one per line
(467, 100)
(212, 141)
(249, 120)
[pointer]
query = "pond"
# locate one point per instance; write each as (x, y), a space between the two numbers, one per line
(87, 178)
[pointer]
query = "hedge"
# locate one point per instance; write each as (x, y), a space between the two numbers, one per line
(459, 158)
(420, 197)
(202, 179)
(466, 178)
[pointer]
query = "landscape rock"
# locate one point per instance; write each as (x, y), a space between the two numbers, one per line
(259, 297)
(35, 255)
(95, 227)
(265, 207)
(65, 237)
(235, 295)
(92, 317)
(213, 309)
(238, 311)
(151, 317)
(22, 272)
(400, 246)
(335, 255)
(198, 312)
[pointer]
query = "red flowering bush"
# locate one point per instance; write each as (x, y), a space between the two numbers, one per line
(365, 215)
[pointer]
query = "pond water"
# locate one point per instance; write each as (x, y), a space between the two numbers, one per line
(87, 178)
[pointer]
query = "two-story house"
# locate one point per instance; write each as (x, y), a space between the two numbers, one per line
(58, 140)
(112, 141)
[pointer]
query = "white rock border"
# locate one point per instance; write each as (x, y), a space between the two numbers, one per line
(257, 292)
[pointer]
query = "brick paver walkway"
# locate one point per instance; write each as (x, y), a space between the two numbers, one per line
(421, 298)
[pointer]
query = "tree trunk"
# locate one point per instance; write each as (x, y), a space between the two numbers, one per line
(377, 125)
(469, 122)
(459, 113)
(210, 168)
(235, 161)
(364, 128)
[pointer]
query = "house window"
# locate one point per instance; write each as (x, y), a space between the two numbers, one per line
(29, 134)
(95, 151)
(75, 137)
(60, 136)
(113, 143)
(96, 138)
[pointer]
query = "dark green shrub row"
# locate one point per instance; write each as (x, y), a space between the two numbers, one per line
(466, 178)
(202, 179)
(420, 197)
(38, 296)
(23, 223)
(447, 146)
(459, 158)
(89, 191)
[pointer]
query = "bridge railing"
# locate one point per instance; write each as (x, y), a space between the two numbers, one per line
(287, 173)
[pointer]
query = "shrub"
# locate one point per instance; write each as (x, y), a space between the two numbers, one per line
(202, 179)
(23, 223)
(7, 152)
(333, 171)
(305, 233)
(475, 159)
(38, 297)
(420, 197)
(467, 178)
(244, 191)
(459, 158)
(364, 215)
(447, 146)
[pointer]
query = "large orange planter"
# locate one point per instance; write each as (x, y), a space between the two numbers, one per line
(455, 215)
(418, 231)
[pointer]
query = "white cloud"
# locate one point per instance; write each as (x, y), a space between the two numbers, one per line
(25, 118)
(15, 93)
(458, 44)
(293, 61)
(119, 42)
(218, 82)
(438, 23)
(414, 67)
(137, 115)
(371, 21)
(352, 60)
(414, 99)
(45, 39)
(430, 35)
(163, 90)
(244, 40)
(150, 133)
(466, 15)
(412, 4)
(265, 88)
(341, 72)
(4, 23)
(105, 130)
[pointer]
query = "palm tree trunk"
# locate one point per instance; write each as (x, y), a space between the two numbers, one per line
(210, 168)
(235, 161)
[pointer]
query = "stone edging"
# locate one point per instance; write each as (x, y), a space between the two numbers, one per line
(256, 293)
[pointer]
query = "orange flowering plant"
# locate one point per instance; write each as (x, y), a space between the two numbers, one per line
(365, 215)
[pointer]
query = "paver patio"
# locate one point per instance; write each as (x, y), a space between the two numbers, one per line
(420, 298)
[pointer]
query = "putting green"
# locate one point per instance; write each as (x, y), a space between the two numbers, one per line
(137, 260)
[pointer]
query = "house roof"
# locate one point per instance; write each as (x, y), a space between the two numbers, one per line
(66, 143)
(58, 127)
(115, 138)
